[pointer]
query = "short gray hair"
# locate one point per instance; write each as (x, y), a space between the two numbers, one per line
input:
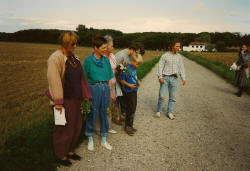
(108, 38)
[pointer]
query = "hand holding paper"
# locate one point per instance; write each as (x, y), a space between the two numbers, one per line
(59, 117)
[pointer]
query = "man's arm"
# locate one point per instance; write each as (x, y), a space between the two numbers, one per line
(182, 70)
(160, 68)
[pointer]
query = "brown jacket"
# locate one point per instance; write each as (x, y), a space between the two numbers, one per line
(55, 75)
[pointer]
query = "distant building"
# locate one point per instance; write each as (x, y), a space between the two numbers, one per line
(195, 46)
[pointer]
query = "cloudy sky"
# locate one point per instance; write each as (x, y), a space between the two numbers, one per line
(127, 15)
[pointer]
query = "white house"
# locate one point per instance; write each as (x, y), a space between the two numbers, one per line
(195, 46)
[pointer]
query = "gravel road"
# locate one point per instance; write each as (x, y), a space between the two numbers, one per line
(211, 130)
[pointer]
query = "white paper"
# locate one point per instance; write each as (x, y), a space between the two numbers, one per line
(233, 67)
(59, 117)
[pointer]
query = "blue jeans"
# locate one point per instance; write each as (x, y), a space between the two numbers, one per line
(100, 102)
(170, 85)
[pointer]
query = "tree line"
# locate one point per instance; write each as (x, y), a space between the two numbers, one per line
(150, 40)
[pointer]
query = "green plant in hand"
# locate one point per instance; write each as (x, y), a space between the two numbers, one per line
(85, 108)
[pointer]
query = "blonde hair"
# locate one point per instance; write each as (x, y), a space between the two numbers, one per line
(137, 58)
(66, 37)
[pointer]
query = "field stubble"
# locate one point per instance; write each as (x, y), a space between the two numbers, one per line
(23, 81)
(225, 58)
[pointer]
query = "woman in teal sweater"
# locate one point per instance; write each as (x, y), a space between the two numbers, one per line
(98, 71)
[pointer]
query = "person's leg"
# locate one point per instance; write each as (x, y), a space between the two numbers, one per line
(162, 94)
(123, 104)
(239, 93)
(105, 100)
(91, 117)
(172, 88)
(127, 97)
(63, 135)
(133, 109)
(129, 110)
(103, 116)
(78, 123)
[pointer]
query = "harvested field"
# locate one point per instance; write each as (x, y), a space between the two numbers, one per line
(23, 81)
(226, 58)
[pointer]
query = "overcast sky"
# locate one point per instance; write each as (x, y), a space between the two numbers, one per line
(127, 15)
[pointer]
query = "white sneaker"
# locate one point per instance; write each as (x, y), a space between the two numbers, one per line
(107, 145)
(170, 115)
(157, 115)
(91, 146)
(112, 131)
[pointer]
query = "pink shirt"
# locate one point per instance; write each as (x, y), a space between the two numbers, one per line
(113, 66)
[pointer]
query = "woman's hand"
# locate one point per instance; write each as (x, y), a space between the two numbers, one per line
(112, 97)
(138, 83)
(59, 107)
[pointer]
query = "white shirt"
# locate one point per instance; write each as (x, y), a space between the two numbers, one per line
(171, 64)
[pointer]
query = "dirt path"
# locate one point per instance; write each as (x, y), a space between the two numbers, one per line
(211, 130)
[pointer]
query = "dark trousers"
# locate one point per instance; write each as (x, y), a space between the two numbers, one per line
(122, 103)
(66, 137)
(131, 103)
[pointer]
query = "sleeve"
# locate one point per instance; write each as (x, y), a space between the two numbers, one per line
(110, 71)
(123, 76)
(182, 69)
(119, 58)
(55, 82)
(85, 68)
(160, 67)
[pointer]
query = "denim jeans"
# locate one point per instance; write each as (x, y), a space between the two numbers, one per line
(170, 85)
(100, 102)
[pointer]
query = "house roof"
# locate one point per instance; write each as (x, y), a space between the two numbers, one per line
(197, 43)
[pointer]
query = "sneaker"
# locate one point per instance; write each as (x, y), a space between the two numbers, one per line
(157, 115)
(129, 131)
(170, 115)
(91, 146)
(112, 131)
(107, 145)
(134, 129)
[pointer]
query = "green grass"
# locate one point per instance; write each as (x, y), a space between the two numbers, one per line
(217, 67)
(146, 67)
(31, 148)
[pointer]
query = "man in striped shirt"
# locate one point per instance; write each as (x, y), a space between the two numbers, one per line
(169, 67)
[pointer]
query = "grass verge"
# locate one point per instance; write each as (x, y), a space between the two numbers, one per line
(217, 67)
(31, 148)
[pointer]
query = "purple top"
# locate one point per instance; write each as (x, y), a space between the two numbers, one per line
(72, 80)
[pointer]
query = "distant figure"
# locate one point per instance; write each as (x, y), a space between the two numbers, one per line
(242, 73)
(131, 83)
(68, 86)
(98, 71)
(169, 67)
